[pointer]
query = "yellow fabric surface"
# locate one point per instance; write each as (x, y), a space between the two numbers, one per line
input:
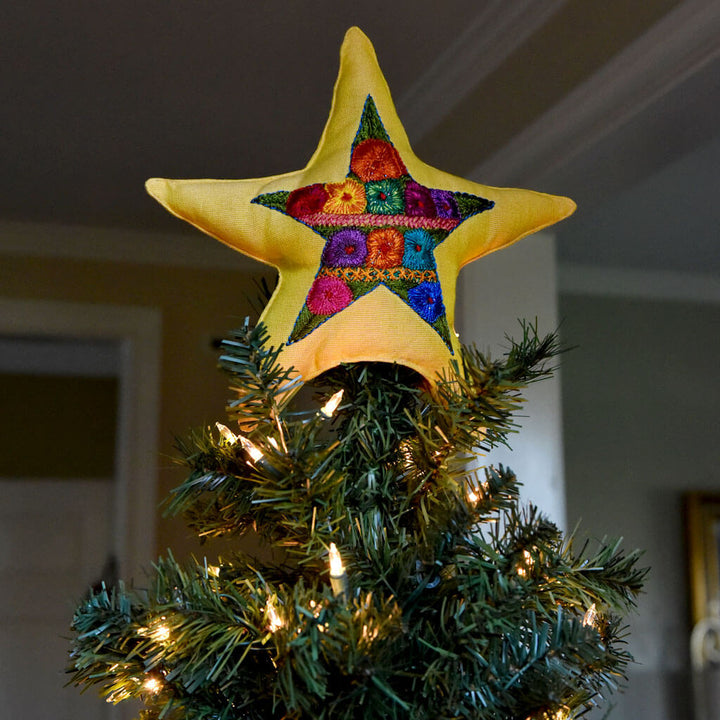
(378, 326)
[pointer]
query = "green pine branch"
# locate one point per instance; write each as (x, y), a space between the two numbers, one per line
(459, 603)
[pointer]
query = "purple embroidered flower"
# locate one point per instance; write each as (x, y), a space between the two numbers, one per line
(445, 204)
(418, 252)
(328, 295)
(426, 300)
(346, 248)
(418, 200)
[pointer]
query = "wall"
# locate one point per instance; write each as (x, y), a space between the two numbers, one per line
(201, 291)
(640, 400)
(495, 292)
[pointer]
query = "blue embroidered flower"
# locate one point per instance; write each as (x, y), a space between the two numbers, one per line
(385, 197)
(426, 300)
(418, 253)
(346, 248)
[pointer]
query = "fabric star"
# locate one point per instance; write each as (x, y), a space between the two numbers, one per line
(367, 239)
(380, 228)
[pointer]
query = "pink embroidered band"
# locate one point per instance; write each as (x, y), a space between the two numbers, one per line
(366, 219)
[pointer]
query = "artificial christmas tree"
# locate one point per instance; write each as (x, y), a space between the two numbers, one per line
(400, 579)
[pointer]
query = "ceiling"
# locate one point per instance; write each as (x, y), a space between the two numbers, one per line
(615, 104)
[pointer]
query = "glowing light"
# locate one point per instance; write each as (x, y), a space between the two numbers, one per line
(369, 634)
(152, 685)
(590, 617)
(526, 565)
(338, 577)
(161, 633)
(316, 608)
(274, 443)
(250, 448)
(472, 496)
(274, 620)
(329, 408)
(226, 433)
(336, 564)
(561, 714)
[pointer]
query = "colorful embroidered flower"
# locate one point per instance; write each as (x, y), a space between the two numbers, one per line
(418, 250)
(375, 160)
(385, 247)
(385, 197)
(306, 200)
(345, 198)
(426, 300)
(346, 248)
(418, 200)
(328, 295)
(445, 205)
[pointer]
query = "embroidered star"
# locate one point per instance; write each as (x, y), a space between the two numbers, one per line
(380, 228)
(367, 239)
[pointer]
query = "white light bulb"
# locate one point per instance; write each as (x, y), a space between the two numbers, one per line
(152, 685)
(336, 564)
(252, 450)
(226, 433)
(329, 408)
(274, 620)
(338, 577)
(590, 617)
(161, 633)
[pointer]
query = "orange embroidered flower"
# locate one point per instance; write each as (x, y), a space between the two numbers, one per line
(345, 198)
(376, 160)
(385, 247)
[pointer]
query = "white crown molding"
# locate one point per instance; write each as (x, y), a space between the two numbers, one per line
(119, 245)
(576, 279)
(495, 33)
(673, 50)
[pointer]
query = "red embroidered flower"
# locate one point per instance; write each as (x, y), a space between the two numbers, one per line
(345, 198)
(375, 160)
(385, 247)
(306, 200)
(328, 295)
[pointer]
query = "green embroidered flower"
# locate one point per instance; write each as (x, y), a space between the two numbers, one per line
(385, 197)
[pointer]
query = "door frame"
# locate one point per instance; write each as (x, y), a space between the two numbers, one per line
(138, 333)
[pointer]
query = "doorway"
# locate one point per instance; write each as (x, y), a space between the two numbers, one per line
(77, 482)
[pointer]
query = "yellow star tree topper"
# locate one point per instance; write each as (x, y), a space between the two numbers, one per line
(368, 240)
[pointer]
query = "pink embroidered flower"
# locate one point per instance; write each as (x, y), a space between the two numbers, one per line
(376, 160)
(418, 200)
(306, 200)
(385, 247)
(345, 198)
(328, 295)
